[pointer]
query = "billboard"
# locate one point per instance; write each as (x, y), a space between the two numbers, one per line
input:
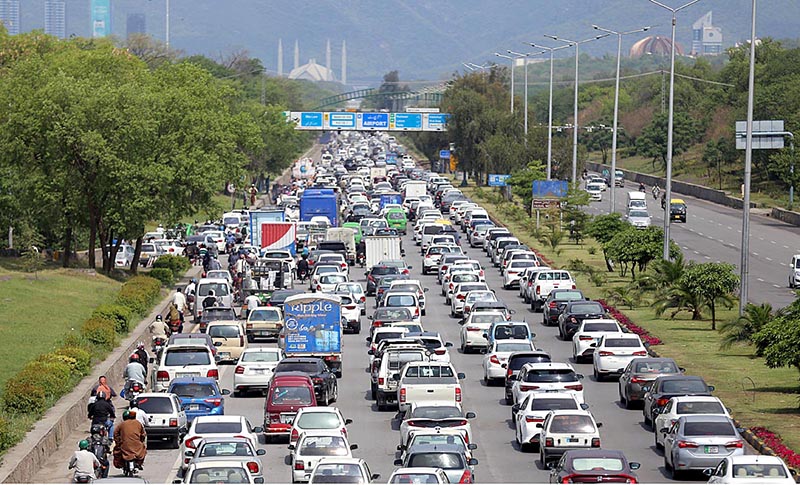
(498, 180)
(549, 188)
(313, 324)
(101, 18)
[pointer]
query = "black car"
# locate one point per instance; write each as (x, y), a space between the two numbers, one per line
(375, 273)
(555, 302)
(514, 364)
(574, 313)
(657, 395)
(325, 386)
(214, 314)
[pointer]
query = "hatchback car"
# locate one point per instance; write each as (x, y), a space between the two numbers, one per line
(219, 471)
(547, 377)
(200, 396)
(316, 418)
(375, 273)
(684, 406)
(342, 470)
(419, 475)
(209, 427)
(325, 383)
(658, 394)
(167, 418)
(532, 411)
(287, 394)
(589, 334)
(183, 361)
(697, 442)
(419, 416)
(474, 328)
(232, 449)
(567, 430)
(515, 362)
(555, 302)
(575, 312)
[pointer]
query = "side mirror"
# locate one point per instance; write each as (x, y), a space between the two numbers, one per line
(261, 452)
(471, 415)
(226, 392)
(258, 480)
(533, 335)
(682, 369)
(707, 471)
(512, 377)
(550, 465)
(634, 465)
(599, 425)
(370, 318)
(472, 462)
(398, 463)
(515, 407)
(370, 352)
(512, 311)
(348, 421)
(504, 365)
(538, 425)
(472, 446)
(258, 429)
(485, 335)
(375, 476)
(448, 344)
(290, 447)
(401, 447)
(354, 446)
(396, 377)
(425, 290)
(177, 481)
(367, 339)
(189, 453)
(579, 376)
(408, 267)
(217, 344)
(584, 406)
(663, 430)
(645, 388)
(461, 375)
(711, 388)
(593, 344)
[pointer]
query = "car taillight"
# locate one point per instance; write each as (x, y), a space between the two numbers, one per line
(371, 278)
(605, 353)
(173, 422)
(473, 329)
(548, 441)
(574, 287)
(595, 442)
(214, 402)
(252, 466)
(190, 442)
(533, 419)
(538, 291)
(403, 394)
(416, 311)
(509, 372)
(363, 299)
(458, 396)
(298, 465)
(213, 373)
(451, 286)
(295, 435)
(662, 402)
(343, 265)
(461, 297)
(443, 268)
(640, 353)
(440, 351)
(575, 387)
(494, 360)
(162, 376)
(528, 388)
(319, 287)
(734, 444)
(380, 381)
(377, 323)
(638, 380)
(585, 337)
(687, 444)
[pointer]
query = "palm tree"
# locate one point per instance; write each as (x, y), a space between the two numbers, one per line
(679, 298)
(741, 329)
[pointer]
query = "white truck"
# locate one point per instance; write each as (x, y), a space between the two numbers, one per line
(427, 382)
(345, 235)
(415, 189)
(389, 368)
(377, 173)
(379, 248)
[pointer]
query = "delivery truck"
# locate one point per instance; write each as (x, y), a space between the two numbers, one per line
(279, 235)
(415, 188)
(261, 216)
(379, 248)
(313, 328)
(320, 202)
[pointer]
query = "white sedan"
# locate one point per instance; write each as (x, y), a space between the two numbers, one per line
(682, 405)
(312, 446)
(459, 297)
(226, 426)
(317, 418)
(530, 413)
(327, 282)
(750, 470)
(447, 415)
(513, 272)
(535, 377)
(342, 470)
(588, 335)
(254, 369)
(567, 430)
(497, 355)
(419, 474)
(614, 352)
(475, 326)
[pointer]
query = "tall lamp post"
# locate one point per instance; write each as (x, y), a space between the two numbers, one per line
(525, 56)
(748, 158)
(616, 108)
(668, 188)
(577, 44)
(550, 108)
(512, 76)
(166, 29)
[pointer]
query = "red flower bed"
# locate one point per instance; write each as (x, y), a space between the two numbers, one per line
(628, 323)
(774, 441)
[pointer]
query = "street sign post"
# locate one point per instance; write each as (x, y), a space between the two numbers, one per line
(767, 135)
(356, 121)
(498, 180)
(444, 154)
(549, 188)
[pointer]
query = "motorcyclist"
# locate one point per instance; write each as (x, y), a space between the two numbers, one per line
(240, 265)
(141, 415)
(189, 290)
(251, 302)
(84, 462)
(302, 268)
(642, 188)
(134, 371)
(159, 328)
(143, 357)
(207, 257)
(103, 385)
(214, 264)
(664, 200)
(102, 412)
(656, 191)
(100, 446)
(361, 249)
(130, 438)
(174, 318)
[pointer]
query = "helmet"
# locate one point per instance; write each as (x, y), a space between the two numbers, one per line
(140, 346)
(193, 280)
(101, 395)
(159, 318)
(134, 357)
(83, 444)
(131, 413)
(126, 415)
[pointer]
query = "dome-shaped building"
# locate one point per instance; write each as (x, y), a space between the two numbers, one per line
(654, 45)
(312, 72)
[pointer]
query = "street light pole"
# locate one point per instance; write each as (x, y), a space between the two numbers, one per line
(577, 45)
(525, 56)
(512, 76)
(668, 188)
(549, 109)
(748, 158)
(166, 36)
(616, 109)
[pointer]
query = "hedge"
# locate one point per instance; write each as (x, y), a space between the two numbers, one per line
(164, 275)
(54, 377)
(177, 264)
(121, 315)
(82, 358)
(8, 437)
(139, 293)
(23, 396)
(100, 331)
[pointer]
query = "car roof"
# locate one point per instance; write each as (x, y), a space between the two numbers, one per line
(291, 377)
(705, 417)
(757, 459)
(595, 453)
(570, 412)
(630, 336)
(417, 470)
(430, 448)
(221, 418)
(435, 404)
(696, 398)
(321, 432)
(548, 365)
(680, 377)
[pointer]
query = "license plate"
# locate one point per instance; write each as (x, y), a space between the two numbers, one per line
(287, 418)
(194, 407)
(259, 371)
(572, 440)
(712, 450)
(187, 374)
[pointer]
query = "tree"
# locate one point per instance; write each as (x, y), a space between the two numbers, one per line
(653, 140)
(521, 181)
(743, 328)
(779, 340)
(713, 282)
(603, 229)
(637, 248)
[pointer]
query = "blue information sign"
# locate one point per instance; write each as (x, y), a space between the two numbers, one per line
(311, 119)
(445, 154)
(408, 121)
(374, 121)
(437, 121)
(549, 188)
(498, 180)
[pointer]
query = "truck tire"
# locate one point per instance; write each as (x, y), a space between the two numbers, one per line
(380, 401)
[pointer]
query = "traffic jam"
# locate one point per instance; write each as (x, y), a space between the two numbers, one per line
(427, 254)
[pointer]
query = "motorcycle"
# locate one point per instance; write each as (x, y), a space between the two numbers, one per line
(132, 390)
(82, 478)
(158, 346)
(130, 469)
(361, 259)
(175, 326)
(100, 446)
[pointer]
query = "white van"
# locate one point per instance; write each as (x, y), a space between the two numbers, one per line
(637, 200)
(232, 220)
(222, 290)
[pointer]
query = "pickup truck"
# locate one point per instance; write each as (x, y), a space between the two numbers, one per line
(427, 382)
(391, 364)
(547, 281)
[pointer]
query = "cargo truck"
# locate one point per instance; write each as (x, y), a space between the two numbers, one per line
(320, 202)
(313, 328)
(379, 248)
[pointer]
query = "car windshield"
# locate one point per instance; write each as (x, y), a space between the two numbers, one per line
(638, 214)
(513, 347)
(332, 279)
(436, 412)
(516, 363)
(230, 221)
(318, 421)
(591, 464)
(588, 307)
(551, 375)
(337, 473)
(572, 423)
(226, 427)
(385, 335)
(401, 300)
(224, 331)
(220, 474)
(708, 428)
(193, 390)
(185, 357)
(567, 295)
(291, 395)
(756, 470)
(225, 449)
(395, 215)
(437, 459)
(155, 405)
(436, 371)
(220, 289)
(265, 315)
(260, 357)
(551, 404)
(683, 386)
(502, 332)
(622, 342)
(323, 446)
(382, 270)
(277, 255)
(699, 407)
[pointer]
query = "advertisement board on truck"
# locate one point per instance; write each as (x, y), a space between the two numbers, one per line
(392, 198)
(279, 235)
(313, 327)
(259, 217)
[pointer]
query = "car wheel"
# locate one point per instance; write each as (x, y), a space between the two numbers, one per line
(424, 271)
(335, 393)
(622, 399)
(659, 446)
(373, 391)
(676, 474)
(326, 399)
(423, 312)
(598, 376)
(647, 420)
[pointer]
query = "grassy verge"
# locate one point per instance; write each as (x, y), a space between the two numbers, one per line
(756, 394)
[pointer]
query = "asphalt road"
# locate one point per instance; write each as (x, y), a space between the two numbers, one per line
(714, 233)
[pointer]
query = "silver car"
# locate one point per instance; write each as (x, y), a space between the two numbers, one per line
(229, 449)
(450, 458)
(697, 442)
(639, 218)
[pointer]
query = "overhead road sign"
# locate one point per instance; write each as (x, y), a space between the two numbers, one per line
(498, 180)
(355, 121)
(767, 135)
(435, 121)
(422, 110)
(372, 121)
(549, 188)
(341, 120)
(405, 121)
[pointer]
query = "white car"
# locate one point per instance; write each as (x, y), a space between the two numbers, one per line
(595, 190)
(497, 355)
(531, 412)
(456, 279)
(614, 352)
(327, 282)
(547, 377)
(254, 369)
(430, 264)
(567, 430)
(218, 238)
(424, 416)
(334, 258)
(407, 300)
(512, 273)
(183, 361)
(342, 470)
(472, 296)
(312, 419)
(681, 406)
(588, 335)
(547, 281)
(357, 291)
(419, 475)
(124, 256)
(351, 313)
(313, 445)
(751, 470)
(226, 426)
(639, 218)
(458, 296)
(170, 246)
(411, 285)
(474, 328)
(218, 471)
(220, 274)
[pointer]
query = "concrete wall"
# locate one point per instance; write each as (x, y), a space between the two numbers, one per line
(685, 188)
(786, 216)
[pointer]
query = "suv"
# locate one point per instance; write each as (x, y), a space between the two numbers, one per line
(167, 418)
(183, 361)
(450, 458)
(514, 364)
(287, 394)
(264, 322)
(555, 302)
(547, 281)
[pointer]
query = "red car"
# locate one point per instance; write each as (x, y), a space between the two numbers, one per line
(287, 393)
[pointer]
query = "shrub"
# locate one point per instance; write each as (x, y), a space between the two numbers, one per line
(100, 331)
(54, 357)
(139, 293)
(82, 358)
(23, 396)
(54, 377)
(8, 437)
(164, 275)
(178, 264)
(121, 315)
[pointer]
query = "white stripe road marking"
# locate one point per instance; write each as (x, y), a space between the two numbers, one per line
(730, 228)
(769, 259)
(759, 279)
(700, 234)
(755, 254)
(686, 248)
(695, 252)
(773, 242)
(777, 286)
(707, 257)
(785, 247)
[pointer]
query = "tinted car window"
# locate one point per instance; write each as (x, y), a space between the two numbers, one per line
(707, 407)
(436, 412)
(323, 446)
(513, 347)
(550, 375)
(156, 405)
(622, 342)
(572, 424)
(307, 367)
(260, 357)
(181, 357)
(291, 395)
(193, 390)
(683, 386)
(712, 428)
(446, 461)
(224, 331)
(600, 327)
(516, 363)
(218, 428)
(382, 270)
(400, 300)
(544, 404)
(318, 421)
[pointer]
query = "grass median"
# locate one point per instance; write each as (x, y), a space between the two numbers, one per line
(756, 394)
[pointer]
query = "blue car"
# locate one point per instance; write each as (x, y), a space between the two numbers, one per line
(200, 396)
